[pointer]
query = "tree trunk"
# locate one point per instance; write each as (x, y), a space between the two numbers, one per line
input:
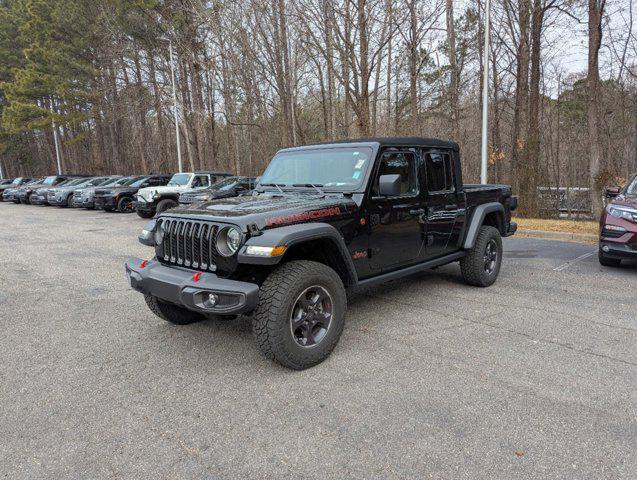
(518, 143)
(595, 15)
(532, 152)
(454, 74)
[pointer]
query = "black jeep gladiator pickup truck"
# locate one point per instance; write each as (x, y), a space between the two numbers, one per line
(322, 221)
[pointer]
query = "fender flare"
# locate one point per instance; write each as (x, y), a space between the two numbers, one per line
(294, 235)
(477, 219)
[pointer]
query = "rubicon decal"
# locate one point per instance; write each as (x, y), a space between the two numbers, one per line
(303, 216)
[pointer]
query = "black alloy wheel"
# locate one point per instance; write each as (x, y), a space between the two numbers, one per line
(311, 316)
(125, 205)
(490, 257)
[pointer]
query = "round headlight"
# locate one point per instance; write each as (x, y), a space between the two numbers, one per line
(229, 241)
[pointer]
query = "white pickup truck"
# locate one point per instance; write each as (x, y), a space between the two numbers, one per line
(152, 200)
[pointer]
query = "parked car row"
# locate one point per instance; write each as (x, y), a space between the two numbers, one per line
(145, 194)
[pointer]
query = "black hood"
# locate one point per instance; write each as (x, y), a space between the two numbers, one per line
(116, 190)
(269, 210)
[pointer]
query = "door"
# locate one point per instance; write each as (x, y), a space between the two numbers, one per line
(396, 233)
(442, 203)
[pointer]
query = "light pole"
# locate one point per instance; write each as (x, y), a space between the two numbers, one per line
(56, 141)
(172, 77)
(485, 96)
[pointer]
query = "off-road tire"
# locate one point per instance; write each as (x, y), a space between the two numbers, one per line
(608, 262)
(145, 214)
(121, 204)
(472, 265)
(171, 313)
(166, 205)
(277, 296)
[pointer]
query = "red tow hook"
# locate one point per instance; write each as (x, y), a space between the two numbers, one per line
(143, 264)
(196, 277)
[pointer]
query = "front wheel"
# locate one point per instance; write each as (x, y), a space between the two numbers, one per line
(125, 205)
(301, 314)
(171, 313)
(166, 205)
(607, 261)
(481, 265)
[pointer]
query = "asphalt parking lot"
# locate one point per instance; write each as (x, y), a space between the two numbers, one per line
(534, 377)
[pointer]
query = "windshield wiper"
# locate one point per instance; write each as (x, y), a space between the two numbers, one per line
(273, 185)
(315, 186)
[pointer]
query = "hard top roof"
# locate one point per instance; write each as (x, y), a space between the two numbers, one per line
(392, 142)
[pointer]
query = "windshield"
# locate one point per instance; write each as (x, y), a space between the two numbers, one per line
(226, 184)
(94, 182)
(119, 181)
(137, 182)
(631, 188)
(130, 180)
(179, 180)
(333, 168)
(107, 182)
(77, 181)
(16, 181)
(49, 180)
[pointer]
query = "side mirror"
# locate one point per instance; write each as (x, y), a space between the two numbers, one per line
(389, 185)
(612, 192)
(145, 184)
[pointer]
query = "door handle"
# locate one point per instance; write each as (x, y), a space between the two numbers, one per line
(418, 211)
(451, 206)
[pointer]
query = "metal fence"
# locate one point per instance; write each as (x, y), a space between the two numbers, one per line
(565, 202)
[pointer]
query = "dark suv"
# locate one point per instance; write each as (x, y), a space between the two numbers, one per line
(120, 197)
(618, 225)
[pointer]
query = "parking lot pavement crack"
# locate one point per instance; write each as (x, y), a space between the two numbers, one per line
(490, 325)
(553, 342)
(545, 310)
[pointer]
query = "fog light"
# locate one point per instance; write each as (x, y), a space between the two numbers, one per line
(606, 248)
(212, 299)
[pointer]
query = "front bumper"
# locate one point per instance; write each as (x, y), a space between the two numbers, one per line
(190, 289)
(618, 250)
(54, 200)
(36, 199)
(102, 203)
(84, 202)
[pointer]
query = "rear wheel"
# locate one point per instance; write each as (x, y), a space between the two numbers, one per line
(171, 313)
(166, 205)
(481, 265)
(125, 205)
(301, 314)
(608, 262)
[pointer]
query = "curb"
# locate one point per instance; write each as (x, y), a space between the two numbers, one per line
(563, 236)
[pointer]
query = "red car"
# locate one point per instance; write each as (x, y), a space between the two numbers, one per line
(618, 225)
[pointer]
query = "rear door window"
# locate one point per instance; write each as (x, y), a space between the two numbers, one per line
(439, 172)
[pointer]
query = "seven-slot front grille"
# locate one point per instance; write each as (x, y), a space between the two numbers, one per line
(188, 243)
